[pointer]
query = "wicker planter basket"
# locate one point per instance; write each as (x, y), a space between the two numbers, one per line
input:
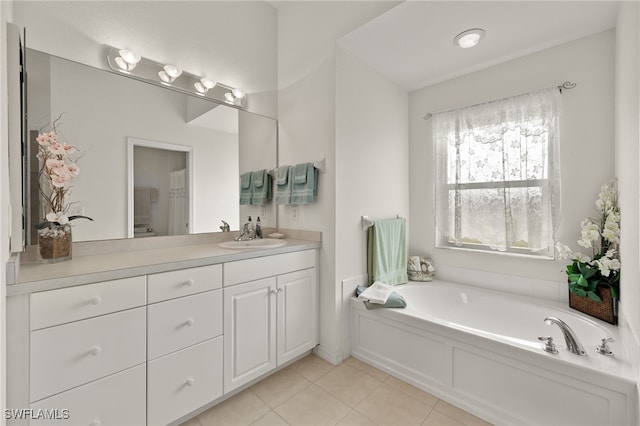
(607, 310)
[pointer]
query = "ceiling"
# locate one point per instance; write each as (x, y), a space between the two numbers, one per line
(412, 44)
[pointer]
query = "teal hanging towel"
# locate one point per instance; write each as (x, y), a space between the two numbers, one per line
(245, 188)
(387, 252)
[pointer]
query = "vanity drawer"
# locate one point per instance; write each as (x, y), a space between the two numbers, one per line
(184, 381)
(75, 303)
(169, 285)
(183, 322)
(119, 399)
(73, 354)
(263, 267)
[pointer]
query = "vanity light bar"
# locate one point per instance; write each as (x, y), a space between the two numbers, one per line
(135, 66)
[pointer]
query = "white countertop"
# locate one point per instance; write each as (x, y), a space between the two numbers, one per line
(33, 277)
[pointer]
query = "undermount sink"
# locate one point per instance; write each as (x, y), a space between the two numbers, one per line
(257, 243)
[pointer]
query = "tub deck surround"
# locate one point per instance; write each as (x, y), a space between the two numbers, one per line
(103, 266)
(480, 351)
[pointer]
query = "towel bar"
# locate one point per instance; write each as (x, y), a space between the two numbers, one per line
(320, 165)
(367, 222)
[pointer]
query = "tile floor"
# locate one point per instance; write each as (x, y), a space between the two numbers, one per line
(314, 392)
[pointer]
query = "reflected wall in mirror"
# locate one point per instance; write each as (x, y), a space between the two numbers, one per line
(102, 110)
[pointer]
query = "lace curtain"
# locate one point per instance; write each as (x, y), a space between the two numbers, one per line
(498, 174)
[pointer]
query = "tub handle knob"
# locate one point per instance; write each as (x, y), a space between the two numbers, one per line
(604, 348)
(548, 344)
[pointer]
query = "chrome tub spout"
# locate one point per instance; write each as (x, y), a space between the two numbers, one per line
(573, 344)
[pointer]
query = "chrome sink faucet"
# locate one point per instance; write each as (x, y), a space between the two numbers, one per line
(245, 234)
(573, 344)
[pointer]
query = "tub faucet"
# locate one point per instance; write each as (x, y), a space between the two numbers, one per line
(573, 344)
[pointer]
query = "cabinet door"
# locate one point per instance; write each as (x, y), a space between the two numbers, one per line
(297, 314)
(249, 331)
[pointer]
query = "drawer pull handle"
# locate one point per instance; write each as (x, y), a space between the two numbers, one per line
(96, 300)
(280, 289)
(96, 350)
(190, 381)
(188, 283)
(273, 291)
(189, 322)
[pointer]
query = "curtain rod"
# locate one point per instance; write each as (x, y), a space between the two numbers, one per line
(566, 85)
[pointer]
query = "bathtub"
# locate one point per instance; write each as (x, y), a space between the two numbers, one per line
(479, 350)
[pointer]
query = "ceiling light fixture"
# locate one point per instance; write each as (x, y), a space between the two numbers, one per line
(169, 74)
(204, 85)
(127, 60)
(469, 38)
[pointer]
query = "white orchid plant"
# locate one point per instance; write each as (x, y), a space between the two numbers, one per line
(602, 236)
(57, 169)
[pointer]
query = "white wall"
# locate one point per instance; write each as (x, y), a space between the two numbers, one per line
(587, 156)
(6, 15)
(627, 160)
(372, 161)
(307, 34)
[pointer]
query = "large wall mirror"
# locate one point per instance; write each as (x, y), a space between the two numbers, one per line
(103, 113)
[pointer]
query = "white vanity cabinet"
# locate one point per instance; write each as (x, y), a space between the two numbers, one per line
(87, 352)
(270, 314)
(156, 348)
(184, 342)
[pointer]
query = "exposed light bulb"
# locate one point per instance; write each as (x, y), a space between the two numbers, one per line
(230, 99)
(204, 85)
(169, 73)
(208, 83)
(172, 71)
(238, 93)
(128, 59)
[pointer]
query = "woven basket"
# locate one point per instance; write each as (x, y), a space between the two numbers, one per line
(605, 310)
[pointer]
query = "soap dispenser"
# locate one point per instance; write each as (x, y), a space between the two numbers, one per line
(258, 228)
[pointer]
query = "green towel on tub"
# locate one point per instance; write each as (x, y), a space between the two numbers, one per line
(395, 300)
(387, 252)
(245, 188)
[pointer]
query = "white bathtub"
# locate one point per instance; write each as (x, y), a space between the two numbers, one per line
(480, 351)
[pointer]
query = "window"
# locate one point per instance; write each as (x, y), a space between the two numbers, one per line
(498, 175)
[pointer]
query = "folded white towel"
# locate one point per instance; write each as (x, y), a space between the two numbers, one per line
(378, 292)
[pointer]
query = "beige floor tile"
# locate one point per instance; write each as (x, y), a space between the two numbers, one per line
(459, 415)
(436, 418)
(413, 391)
(348, 384)
(193, 422)
(277, 388)
(366, 368)
(270, 419)
(389, 406)
(356, 419)
(241, 409)
(312, 367)
(312, 406)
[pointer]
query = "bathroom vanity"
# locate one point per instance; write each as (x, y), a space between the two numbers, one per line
(154, 336)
